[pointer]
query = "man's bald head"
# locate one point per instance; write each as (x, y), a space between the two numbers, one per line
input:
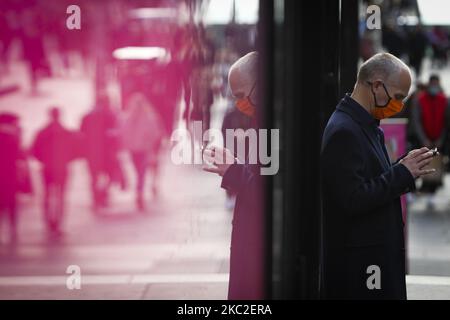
(243, 75)
(382, 66)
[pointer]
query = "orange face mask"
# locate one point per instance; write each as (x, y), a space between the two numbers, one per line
(391, 108)
(245, 105)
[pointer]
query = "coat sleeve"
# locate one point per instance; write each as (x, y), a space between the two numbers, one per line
(236, 177)
(346, 181)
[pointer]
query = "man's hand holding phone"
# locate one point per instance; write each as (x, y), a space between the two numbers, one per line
(418, 159)
(218, 159)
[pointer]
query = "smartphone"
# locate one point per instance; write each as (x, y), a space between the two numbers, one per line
(435, 152)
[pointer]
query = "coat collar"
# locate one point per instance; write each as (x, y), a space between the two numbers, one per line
(357, 112)
(368, 123)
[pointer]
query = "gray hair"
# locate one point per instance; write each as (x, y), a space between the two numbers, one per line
(380, 66)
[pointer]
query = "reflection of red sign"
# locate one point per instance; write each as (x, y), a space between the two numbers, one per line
(395, 140)
(395, 137)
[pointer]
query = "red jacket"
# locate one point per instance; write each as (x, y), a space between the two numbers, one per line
(433, 114)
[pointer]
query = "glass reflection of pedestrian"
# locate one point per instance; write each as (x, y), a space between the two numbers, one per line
(99, 130)
(54, 147)
(244, 180)
(33, 46)
(10, 149)
(142, 133)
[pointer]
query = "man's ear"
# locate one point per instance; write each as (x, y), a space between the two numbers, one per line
(377, 84)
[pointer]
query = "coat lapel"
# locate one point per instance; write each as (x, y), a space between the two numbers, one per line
(344, 106)
(377, 147)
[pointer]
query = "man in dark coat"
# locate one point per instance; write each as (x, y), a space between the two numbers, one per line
(364, 250)
(54, 147)
(99, 131)
(243, 179)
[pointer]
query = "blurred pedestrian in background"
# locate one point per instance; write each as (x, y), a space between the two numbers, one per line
(430, 115)
(54, 147)
(430, 118)
(9, 179)
(394, 39)
(417, 44)
(33, 46)
(99, 129)
(438, 38)
(197, 51)
(142, 133)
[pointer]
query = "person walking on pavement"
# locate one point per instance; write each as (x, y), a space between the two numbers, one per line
(243, 179)
(100, 142)
(54, 147)
(364, 249)
(9, 184)
(142, 132)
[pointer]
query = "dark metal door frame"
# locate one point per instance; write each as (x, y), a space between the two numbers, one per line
(308, 59)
